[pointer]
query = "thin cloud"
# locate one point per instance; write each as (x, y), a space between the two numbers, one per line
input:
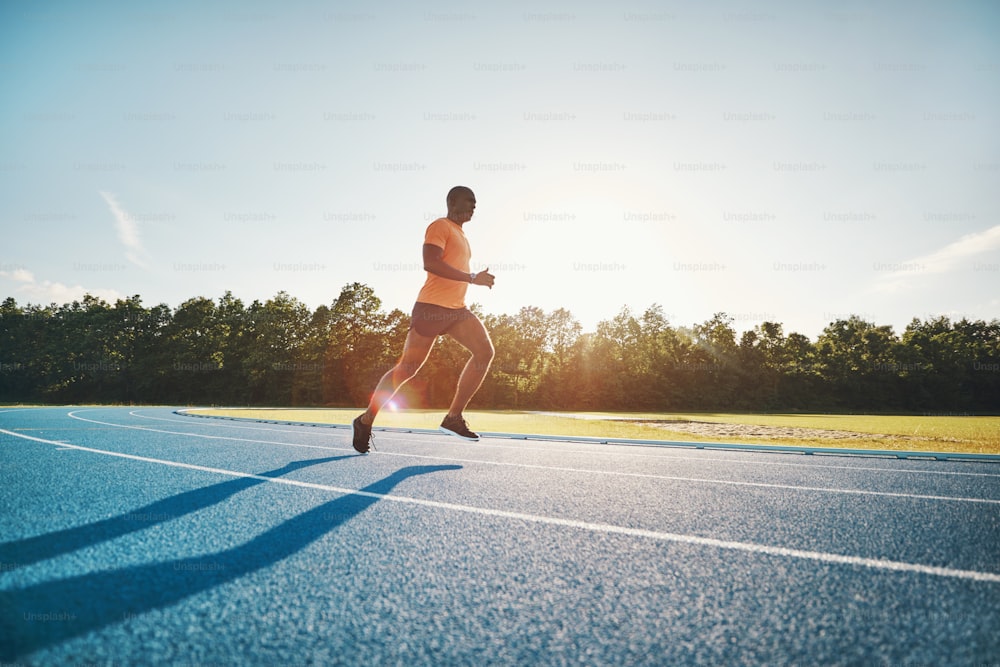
(128, 231)
(44, 292)
(18, 275)
(954, 256)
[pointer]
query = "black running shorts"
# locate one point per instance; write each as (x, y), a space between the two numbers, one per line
(430, 320)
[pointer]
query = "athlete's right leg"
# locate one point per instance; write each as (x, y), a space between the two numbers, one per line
(415, 353)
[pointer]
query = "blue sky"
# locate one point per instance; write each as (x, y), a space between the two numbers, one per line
(788, 161)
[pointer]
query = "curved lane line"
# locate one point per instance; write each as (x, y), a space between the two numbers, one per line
(532, 466)
(662, 454)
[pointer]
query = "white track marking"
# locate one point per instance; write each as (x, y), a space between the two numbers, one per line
(692, 540)
(310, 430)
(584, 471)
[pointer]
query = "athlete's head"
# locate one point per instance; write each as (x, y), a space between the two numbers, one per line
(461, 204)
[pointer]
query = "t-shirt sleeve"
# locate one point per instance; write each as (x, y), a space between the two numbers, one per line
(437, 233)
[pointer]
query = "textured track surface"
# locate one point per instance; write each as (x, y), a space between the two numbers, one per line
(138, 536)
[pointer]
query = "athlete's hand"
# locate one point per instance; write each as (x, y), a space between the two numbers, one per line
(484, 278)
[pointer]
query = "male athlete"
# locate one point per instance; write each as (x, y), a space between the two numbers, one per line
(440, 309)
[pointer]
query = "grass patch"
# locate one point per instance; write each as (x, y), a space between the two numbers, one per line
(979, 435)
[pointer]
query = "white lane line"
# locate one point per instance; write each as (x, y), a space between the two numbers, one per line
(309, 430)
(693, 540)
(585, 471)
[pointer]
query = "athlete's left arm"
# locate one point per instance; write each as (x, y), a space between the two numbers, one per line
(433, 263)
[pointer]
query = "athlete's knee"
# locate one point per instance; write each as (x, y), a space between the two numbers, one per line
(483, 354)
(404, 371)
(414, 355)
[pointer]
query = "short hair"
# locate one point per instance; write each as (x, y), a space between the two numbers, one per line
(456, 191)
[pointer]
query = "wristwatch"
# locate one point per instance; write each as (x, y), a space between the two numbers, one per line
(472, 277)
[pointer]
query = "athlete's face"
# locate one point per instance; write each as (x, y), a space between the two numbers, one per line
(462, 208)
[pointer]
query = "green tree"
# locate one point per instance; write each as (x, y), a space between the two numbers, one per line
(613, 368)
(660, 348)
(801, 381)
(857, 359)
(951, 366)
(764, 362)
(131, 342)
(280, 353)
(521, 343)
(310, 364)
(712, 363)
(278, 330)
(557, 383)
(499, 387)
(79, 366)
(362, 344)
(22, 366)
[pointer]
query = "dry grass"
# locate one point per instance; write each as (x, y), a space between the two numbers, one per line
(980, 435)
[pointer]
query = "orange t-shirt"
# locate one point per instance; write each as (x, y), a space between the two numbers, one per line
(437, 290)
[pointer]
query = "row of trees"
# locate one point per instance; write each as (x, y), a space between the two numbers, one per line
(280, 352)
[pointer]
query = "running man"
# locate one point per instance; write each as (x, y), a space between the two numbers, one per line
(440, 309)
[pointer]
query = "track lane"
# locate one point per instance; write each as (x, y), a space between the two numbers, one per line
(989, 492)
(510, 575)
(809, 521)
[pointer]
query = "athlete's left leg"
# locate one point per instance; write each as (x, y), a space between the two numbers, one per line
(472, 335)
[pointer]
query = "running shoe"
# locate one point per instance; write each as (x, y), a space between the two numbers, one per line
(362, 435)
(457, 426)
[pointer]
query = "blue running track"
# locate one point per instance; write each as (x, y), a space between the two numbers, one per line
(141, 536)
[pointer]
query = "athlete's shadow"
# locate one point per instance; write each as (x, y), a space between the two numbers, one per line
(33, 549)
(91, 601)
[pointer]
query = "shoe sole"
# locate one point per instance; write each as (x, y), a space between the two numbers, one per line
(458, 435)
